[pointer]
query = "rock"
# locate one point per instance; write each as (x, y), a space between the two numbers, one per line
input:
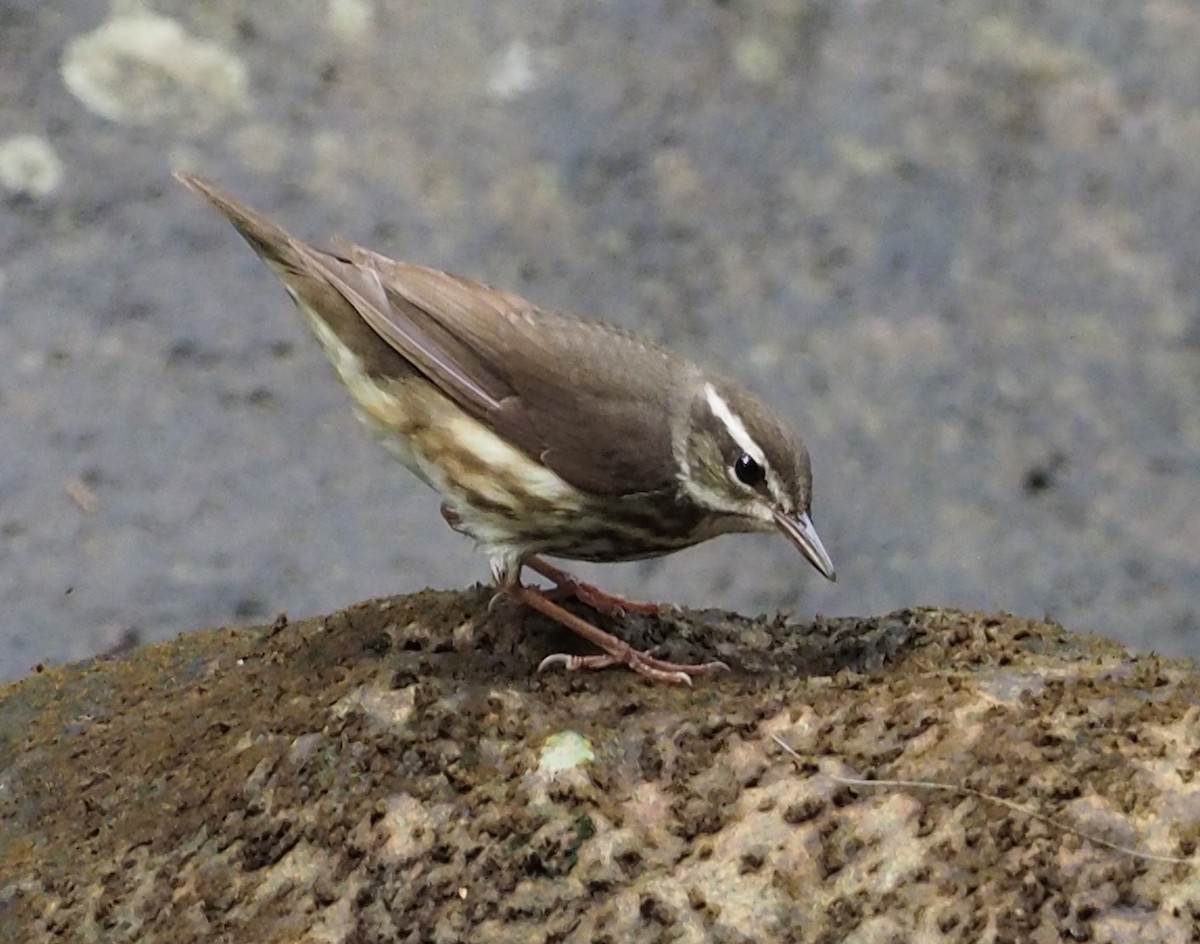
(395, 772)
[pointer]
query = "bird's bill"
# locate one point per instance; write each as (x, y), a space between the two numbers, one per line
(800, 531)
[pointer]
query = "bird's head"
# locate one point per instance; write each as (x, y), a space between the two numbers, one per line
(741, 464)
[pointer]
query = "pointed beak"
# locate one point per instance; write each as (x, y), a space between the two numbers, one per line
(800, 531)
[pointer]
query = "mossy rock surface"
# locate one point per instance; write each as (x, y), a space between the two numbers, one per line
(397, 772)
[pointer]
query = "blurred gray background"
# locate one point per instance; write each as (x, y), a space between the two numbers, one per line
(958, 245)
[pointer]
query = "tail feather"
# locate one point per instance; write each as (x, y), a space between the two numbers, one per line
(272, 242)
(304, 271)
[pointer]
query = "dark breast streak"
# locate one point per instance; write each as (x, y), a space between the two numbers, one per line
(605, 529)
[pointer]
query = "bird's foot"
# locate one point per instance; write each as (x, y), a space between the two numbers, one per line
(615, 651)
(642, 663)
(568, 587)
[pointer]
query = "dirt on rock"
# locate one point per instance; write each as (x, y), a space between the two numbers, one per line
(397, 772)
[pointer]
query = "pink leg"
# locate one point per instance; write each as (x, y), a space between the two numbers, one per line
(616, 651)
(609, 604)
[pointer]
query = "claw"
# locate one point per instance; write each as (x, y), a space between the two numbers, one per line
(506, 571)
(568, 662)
(638, 663)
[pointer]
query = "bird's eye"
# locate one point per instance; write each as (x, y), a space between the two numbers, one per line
(748, 471)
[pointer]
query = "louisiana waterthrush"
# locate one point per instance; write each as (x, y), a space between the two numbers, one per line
(544, 434)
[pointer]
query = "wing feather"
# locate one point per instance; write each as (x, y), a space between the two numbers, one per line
(591, 401)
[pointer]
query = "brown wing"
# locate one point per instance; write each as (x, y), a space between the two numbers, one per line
(591, 400)
(436, 352)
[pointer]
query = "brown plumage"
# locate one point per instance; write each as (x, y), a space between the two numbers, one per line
(544, 433)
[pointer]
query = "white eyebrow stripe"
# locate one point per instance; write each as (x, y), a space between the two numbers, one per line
(735, 427)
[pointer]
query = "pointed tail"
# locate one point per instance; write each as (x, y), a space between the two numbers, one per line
(276, 246)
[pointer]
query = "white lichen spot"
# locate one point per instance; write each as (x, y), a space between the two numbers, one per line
(139, 69)
(757, 60)
(516, 70)
(563, 751)
(409, 828)
(387, 708)
(304, 747)
(350, 20)
(28, 165)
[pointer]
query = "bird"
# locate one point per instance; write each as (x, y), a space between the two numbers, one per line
(545, 435)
